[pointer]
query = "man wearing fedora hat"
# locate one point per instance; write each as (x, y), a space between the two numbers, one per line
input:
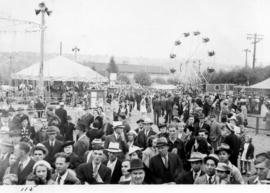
(224, 153)
(261, 174)
(52, 144)
(143, 135)
(118, 137)
(114, 163)
(209, 177)
(165, 167)
(196, 160)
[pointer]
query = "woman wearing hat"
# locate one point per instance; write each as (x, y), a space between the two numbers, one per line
(74, 159)
(43, 171)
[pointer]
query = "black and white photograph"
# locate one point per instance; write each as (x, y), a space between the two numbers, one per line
(134, 92)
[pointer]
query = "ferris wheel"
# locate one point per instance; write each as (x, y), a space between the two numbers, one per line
(192, 50)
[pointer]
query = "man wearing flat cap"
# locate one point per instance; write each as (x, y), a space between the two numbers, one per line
(52, 144)
(140, 125)
(196, 160)
(209, 177)
(165, 167)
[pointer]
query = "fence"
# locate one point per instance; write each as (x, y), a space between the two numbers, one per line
(256, 122)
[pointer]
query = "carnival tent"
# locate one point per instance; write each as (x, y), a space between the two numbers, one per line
(60, 69)
(262, 85)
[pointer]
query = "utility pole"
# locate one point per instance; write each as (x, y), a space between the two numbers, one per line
(256, 38)
(42, 9)
(246, 56)
(75, 50)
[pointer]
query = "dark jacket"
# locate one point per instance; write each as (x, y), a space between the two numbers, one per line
(162, 175)
(187, 178)
(70, 179)
(235, 143)
(141, 139)
(116, 173)
(52, 150)
(22, 175)
(81, 146)
(62, 114)
(179, 145)
(85, 174)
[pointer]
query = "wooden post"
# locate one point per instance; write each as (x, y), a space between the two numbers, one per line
(257, 125)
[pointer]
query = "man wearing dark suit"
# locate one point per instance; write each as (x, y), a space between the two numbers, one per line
(82, 144)
(117, 136)
(196, 165)
(94, 172)
(138, 99)
(169, 108)
(165, 167)
(6, 149)
(143, 135)
(63, 175)
(114, 163)
(25, 164)
(157, 109)
(176, 145)
(69, 130)
(201, 124)
(52, 144)
(62, 114)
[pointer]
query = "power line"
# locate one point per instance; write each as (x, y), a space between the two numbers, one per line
(256, 38)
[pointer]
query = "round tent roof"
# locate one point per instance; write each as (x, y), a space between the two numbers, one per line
(60, 69)
(262, 85)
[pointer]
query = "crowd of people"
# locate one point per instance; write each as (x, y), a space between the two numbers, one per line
(179, 139)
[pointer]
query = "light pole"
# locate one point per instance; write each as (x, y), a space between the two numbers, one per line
(75, 50)
(42, 9)
(246, 56)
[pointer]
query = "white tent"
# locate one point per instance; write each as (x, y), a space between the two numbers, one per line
(163, 86)
(262, 85)
(60, 69)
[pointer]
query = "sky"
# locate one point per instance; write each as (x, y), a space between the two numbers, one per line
(142, 28)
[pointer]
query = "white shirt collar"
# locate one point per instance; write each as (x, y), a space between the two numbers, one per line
(63, 177)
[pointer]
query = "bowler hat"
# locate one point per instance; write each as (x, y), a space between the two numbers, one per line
(162, 141)
(213, 157)
(136, 164)
(67, 143)
(195, 156)
(224, 147)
